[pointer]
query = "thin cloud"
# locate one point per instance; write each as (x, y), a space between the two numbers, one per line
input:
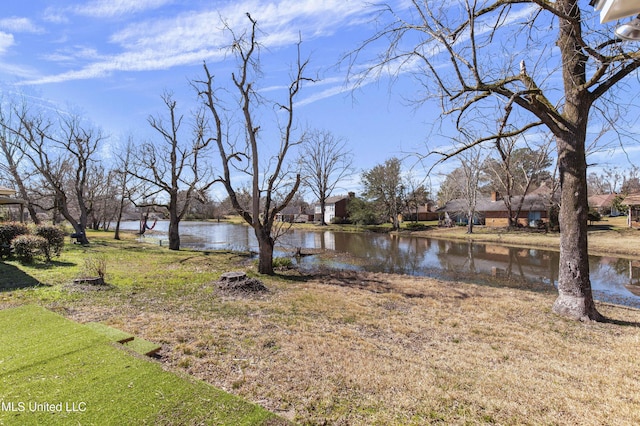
(55, 16)
(111, 8)
(138, 61)
(6, 41)
(19, 25)
(191, 37)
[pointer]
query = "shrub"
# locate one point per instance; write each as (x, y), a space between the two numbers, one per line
(95, 266)
(9, 231)
(593, 216)
(282, 263)
(26, 247)
(55, 239)
(415, 226)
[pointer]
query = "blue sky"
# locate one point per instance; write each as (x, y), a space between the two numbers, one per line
(112, 60)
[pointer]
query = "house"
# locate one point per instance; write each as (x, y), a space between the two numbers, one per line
(293, 214)
(5, 194)
(633, 216)
(7, 197)
(335, 208)
(604, 204)
(424, 212)
(492, 211)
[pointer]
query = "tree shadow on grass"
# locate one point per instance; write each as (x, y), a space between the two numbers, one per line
(608, 320)
(51, 264)
(12, 278)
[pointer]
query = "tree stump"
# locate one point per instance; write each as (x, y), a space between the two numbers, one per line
(233, 276)
(89, 280)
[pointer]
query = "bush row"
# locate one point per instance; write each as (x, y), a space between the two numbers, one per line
(27, 243)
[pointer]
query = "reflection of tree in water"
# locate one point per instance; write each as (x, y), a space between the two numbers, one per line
(492, 263)
(456, 260)
(384, 253)
(615, 270)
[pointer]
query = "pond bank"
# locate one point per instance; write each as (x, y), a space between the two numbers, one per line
(607, 237)
(602, 242)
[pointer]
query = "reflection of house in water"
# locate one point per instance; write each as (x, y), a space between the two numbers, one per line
(529, 264)
(325, 240)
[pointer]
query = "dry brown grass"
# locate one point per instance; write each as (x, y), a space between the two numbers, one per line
(363, 349)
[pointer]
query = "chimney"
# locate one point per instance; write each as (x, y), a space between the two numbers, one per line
(495, 196)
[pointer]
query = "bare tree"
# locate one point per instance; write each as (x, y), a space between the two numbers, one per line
(173, 170)
(62, 154)
(416, 195)
(324, 161)
(13, 155)
(272, 185)
(124, 182)
(515, 171)
(471, 165)
(631, 181)
(523, 65)
(607, 182)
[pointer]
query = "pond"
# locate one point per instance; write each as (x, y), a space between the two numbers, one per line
(613, 279)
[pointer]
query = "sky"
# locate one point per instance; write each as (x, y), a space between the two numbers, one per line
(111, 60)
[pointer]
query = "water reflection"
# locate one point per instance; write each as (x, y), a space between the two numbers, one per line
(615, 280)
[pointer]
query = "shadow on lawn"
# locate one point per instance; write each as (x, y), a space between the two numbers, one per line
(13, 278)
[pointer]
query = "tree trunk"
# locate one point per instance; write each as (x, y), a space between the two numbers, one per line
(265, 248)
(575, 298)
(174, 231)
(23, 194)
(78, 228)
(119, 219)
(323, 206)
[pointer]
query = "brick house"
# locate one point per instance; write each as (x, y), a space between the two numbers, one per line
(334, 208)
(492, 211)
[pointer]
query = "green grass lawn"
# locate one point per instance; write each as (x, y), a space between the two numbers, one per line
(56, 371)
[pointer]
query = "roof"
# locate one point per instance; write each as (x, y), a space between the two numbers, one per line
(632, 199)
(292, 210)
(6, 192)
(543, 189)
(335, 199)
(6, 196)
(484, 204)
(429, 207)
(602, 200)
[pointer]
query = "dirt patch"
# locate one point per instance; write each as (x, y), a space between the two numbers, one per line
(239, 284)
(85, 287)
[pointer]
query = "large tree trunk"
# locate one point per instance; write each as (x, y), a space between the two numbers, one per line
(174, 231)
(575, 299)
(265, 248)
(79, 231)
